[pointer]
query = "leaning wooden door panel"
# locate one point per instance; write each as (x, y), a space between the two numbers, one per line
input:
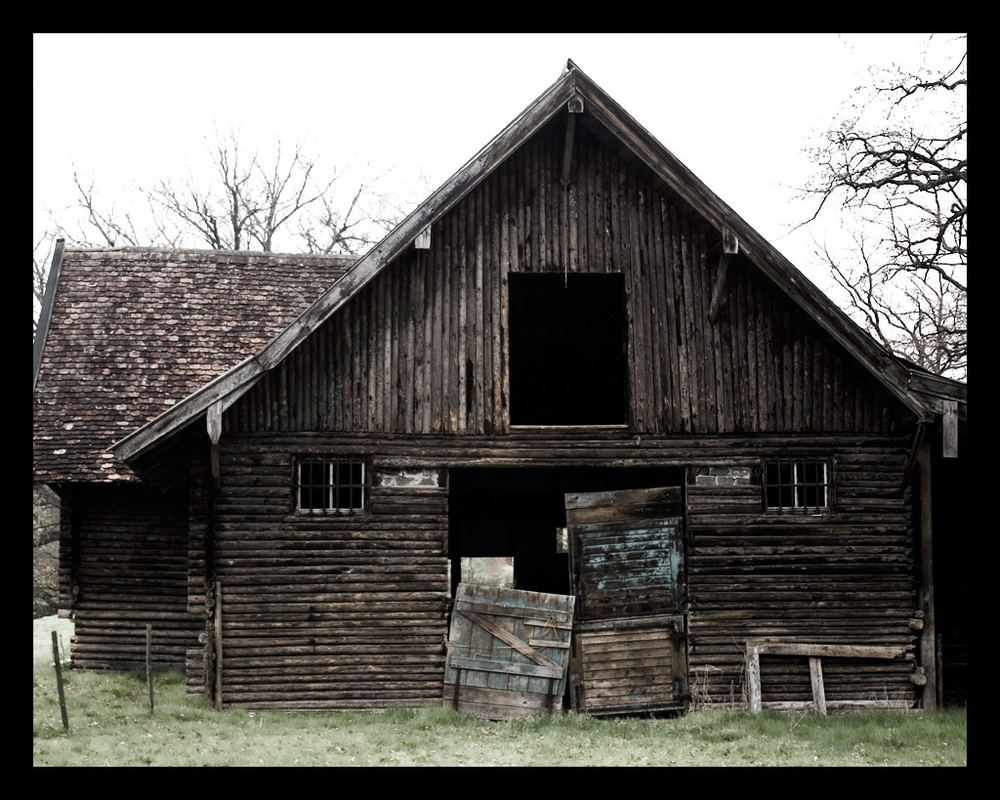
(627, 565)
(508, 651)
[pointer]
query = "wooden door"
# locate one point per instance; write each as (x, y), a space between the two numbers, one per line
(508, 651)
(629, 650)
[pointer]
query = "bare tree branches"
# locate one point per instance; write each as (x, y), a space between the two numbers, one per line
(39, 275)
(922, 319)
(903, 185)
(242, 201)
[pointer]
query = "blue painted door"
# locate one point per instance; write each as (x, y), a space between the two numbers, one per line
(628, 575)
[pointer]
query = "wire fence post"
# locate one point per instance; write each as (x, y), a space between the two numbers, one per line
(59, 680)
(149, 669)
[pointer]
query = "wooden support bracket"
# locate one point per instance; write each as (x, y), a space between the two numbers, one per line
(213, 420)
(730, 247)
(949, 429)
(423, 240)
(567, 161)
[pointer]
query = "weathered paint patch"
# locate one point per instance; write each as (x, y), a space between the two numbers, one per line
(408, 478)
(722, 476)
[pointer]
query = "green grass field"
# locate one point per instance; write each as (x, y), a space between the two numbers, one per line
(110, 725)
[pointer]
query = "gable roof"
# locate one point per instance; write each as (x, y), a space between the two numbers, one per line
(573, 85)
(123, 338)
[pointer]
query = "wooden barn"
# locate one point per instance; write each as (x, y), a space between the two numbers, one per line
(572, 360)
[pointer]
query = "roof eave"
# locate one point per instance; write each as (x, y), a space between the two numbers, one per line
(237, 380)
(880, 362)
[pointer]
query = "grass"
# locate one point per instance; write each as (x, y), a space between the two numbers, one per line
(110, 724)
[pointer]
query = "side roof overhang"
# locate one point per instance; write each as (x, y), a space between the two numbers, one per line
(573, 85)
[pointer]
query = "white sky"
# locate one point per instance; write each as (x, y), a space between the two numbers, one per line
(737, 109)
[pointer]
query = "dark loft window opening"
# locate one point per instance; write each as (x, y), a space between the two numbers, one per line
(330, 485)
(567, 349)
(796, 485)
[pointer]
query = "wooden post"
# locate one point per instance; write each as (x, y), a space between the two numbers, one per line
(816, 676)
(149, 665)
(59, 680)
(949, 429)
(928, 655)
(218, 644)
(753, 679)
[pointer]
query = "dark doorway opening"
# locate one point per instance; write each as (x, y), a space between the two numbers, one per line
(567, 349)
(516, 512)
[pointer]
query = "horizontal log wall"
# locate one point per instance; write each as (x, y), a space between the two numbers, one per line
(423, 348)
(349, 611)
(328, 611)
(129, 554)
(845, 577)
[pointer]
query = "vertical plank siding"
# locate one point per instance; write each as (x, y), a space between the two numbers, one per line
(130, 569)
(422, 348)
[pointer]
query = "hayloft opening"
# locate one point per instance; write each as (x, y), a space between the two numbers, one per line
(567, 349)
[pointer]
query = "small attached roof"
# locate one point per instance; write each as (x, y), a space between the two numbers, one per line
(572, 86)
(128, 333)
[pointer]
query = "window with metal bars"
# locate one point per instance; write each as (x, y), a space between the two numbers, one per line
(797, 485)
(336, 485)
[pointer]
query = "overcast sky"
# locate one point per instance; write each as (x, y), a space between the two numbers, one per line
(737, 109)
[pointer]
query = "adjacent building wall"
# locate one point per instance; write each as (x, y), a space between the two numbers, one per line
(123, 566)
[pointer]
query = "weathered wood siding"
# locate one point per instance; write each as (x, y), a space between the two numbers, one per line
(327, 611)
(349, 611)
(335, 612)
(423, 347)
(846, 577)
(127, 568)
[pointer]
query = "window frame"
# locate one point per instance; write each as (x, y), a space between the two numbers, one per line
(331, 487)
(798, 484)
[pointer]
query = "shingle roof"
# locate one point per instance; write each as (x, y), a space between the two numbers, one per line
(134, 331)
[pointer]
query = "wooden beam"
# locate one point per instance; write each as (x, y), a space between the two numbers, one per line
(928, 648)
(828, 650)
(949, 429)
(213, 421)
(816, 677)
(753, 678)
(730, 247)
(218, 645)
(573, 107)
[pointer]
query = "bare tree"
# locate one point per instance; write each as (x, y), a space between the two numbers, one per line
(243, 201)
(45, 551)
(39, 274)
(897, 167)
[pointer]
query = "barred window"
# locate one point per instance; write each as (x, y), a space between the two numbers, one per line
(796, 484)
(331, 485)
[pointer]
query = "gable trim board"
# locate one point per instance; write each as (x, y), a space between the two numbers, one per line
(570, 87)
(45, 314)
